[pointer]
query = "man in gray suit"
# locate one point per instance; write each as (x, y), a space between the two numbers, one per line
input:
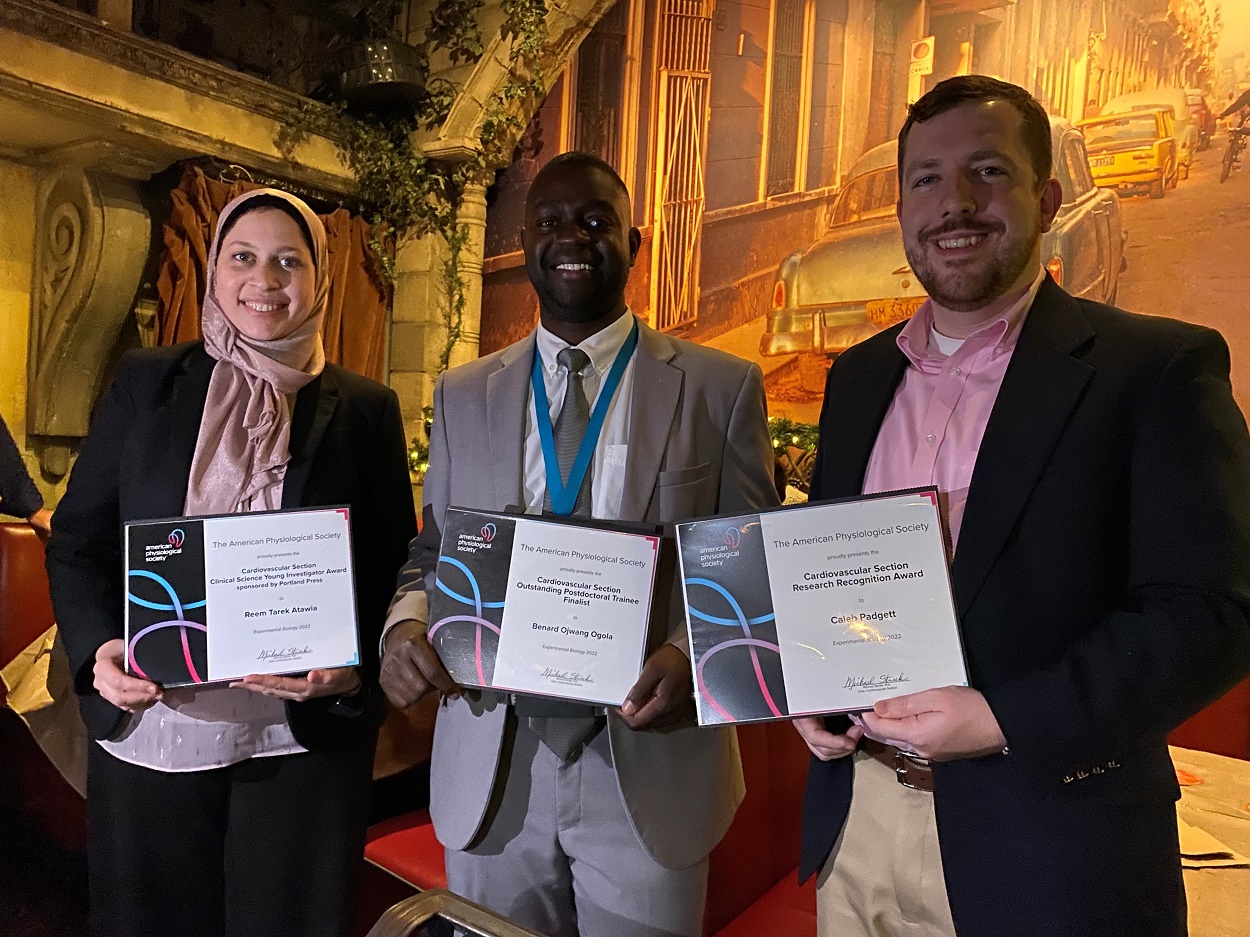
(569, 820)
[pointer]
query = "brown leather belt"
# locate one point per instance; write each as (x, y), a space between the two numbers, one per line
(910, 771)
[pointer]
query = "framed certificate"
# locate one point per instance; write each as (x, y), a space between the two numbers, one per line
(542, 606)
(819, 608)
(213, 599)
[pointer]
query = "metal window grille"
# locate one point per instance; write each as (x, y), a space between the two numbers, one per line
(785, 96)
(685, 31)
(600, 87)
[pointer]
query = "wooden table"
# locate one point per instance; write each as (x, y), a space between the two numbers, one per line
(1219, 899)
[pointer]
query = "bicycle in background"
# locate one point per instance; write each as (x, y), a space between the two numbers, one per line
(1236, 143)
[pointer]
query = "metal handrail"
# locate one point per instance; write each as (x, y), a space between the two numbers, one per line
(405, 917)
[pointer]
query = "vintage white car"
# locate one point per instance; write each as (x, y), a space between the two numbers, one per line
(855, 280)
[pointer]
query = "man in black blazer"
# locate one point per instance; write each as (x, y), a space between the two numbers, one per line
(1095, 469)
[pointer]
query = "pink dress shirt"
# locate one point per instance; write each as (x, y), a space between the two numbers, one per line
(932, 432)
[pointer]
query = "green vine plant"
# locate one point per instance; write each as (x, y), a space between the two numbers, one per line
(408, 194)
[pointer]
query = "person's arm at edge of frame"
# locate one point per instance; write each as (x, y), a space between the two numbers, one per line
(1243, 100)
(18, 495)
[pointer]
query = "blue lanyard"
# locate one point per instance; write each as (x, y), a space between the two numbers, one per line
(564, 494)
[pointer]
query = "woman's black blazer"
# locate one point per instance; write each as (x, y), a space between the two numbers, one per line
(347, 447)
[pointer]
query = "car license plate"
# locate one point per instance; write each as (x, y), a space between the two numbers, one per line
(1102, 161)
(886, 312)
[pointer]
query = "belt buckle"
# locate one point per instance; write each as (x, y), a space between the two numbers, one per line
(902, 766)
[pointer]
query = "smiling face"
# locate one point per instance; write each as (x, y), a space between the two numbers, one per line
(971, 208)
(266, 281)
(579, 246)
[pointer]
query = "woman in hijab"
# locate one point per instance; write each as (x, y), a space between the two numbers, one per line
(239, 809)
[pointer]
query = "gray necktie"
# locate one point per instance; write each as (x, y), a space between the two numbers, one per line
(566, 727)
(570, 427)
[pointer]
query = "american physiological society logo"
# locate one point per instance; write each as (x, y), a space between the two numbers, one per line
(481, 540)
(718, 553)
(159, 552)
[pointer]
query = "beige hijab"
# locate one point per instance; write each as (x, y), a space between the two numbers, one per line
(243, 448)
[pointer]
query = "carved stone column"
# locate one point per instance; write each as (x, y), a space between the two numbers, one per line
(472, 257)
(91, 243)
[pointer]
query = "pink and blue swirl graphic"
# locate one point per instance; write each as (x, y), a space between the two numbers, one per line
(748, 640)
(477, 604)
(179, 621)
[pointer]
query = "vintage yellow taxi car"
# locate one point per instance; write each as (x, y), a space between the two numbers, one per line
(1133, 151)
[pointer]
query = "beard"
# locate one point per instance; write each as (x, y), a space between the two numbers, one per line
(974, 285)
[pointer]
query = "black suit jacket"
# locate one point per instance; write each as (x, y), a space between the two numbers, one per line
(1102, 579)
(347, 447)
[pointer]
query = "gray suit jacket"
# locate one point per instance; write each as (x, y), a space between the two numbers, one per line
(698, 445)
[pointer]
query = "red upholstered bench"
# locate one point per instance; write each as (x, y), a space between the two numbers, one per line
(752, 885)
(786, 909)
(1223, 728)
(406, 847)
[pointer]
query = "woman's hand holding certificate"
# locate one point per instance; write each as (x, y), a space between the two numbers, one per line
(118, 687)
(332, 681)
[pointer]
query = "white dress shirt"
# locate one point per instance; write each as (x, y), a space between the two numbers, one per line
(198, 728)
(608, 466)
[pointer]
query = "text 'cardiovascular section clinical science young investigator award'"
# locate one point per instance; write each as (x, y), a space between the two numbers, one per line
(821, 608)
(218, 598)
(542, 607)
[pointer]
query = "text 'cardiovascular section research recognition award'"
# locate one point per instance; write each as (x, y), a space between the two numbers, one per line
(541, 607)
(218, 598)
(819, 609)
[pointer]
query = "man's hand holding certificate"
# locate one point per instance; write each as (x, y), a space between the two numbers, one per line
(941, 724)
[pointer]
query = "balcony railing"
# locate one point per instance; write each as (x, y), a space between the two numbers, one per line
(295, 44)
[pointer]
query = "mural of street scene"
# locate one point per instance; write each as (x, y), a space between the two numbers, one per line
(757, 139)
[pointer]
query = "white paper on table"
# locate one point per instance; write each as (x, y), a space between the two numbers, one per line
(1201, 850)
